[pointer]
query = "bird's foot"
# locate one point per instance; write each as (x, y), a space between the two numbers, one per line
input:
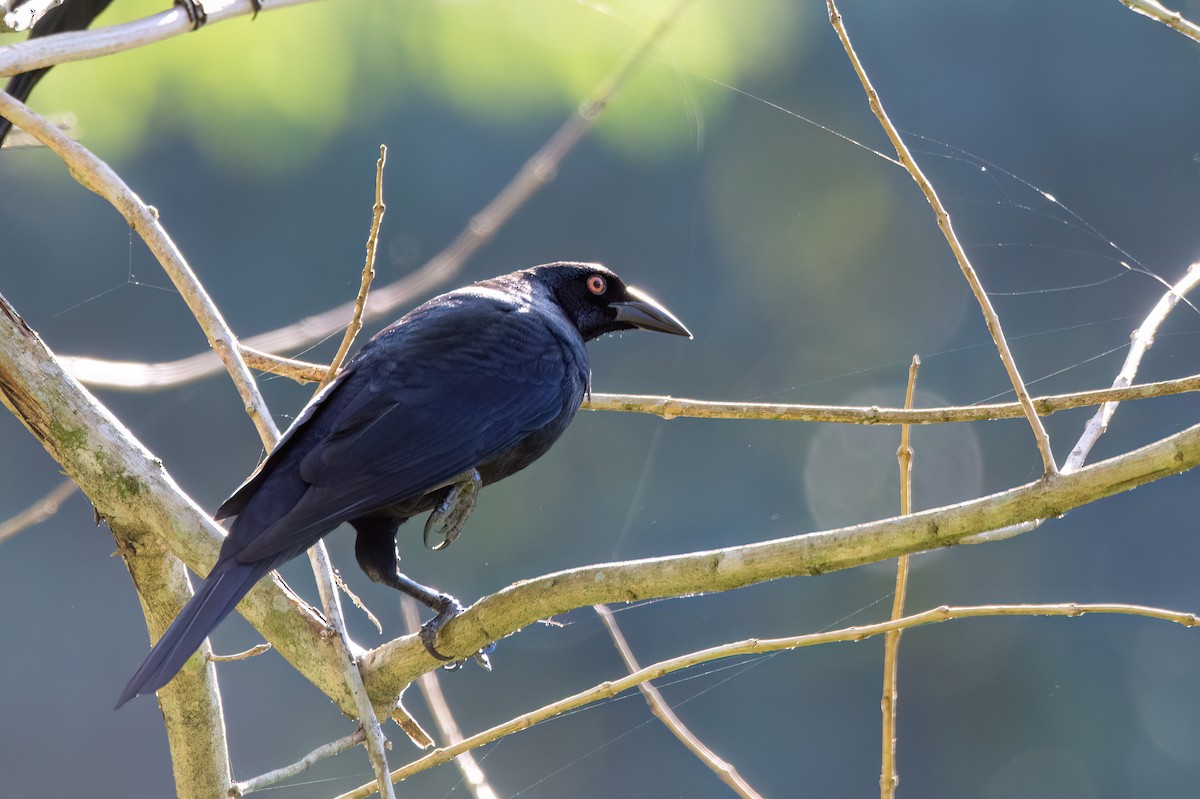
(448, 608)
(449, 517)
(195, 12)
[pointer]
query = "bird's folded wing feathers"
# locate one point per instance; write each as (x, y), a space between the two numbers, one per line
(394, 434)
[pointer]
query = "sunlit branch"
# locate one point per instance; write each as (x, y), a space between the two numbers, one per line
(95, 175)
(190, 703)
(39, 511)
(368, 275)
(960, 255)
(537, 172)
(300, 766)
(725, 771)
(61, 48)
(1172, 19)
(891, 641)
(431, 689)
(755, 646)
(1142, 340)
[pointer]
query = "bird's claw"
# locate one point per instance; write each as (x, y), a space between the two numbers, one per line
(195, 12)
(447, 519)
(448, 609)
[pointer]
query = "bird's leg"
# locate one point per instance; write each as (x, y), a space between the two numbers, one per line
(375, 550)
(449, 517)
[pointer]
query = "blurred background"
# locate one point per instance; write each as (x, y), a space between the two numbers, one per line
(738, 180)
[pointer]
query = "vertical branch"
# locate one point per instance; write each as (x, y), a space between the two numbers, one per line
(318, 555)
(725, 772)
(368, 274)
(960, 255)
(431, 688)
(190, 703)
(888, 779)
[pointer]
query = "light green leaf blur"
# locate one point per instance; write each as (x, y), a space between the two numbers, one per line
(299, 77)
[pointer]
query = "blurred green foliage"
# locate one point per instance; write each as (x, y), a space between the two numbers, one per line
(293, 77)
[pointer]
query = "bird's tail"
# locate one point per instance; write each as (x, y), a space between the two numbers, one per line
(217, 597)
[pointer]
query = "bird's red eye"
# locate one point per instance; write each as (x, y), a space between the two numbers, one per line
(597, 284)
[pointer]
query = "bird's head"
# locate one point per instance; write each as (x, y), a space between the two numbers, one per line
(597, 301)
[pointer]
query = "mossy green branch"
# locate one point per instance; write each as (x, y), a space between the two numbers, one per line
(138, 499)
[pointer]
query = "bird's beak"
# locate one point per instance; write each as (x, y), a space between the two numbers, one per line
(647, 313)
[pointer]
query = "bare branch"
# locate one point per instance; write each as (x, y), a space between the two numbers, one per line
(537, 172)
(725, 772)
(393, 665)
(95, 175)
(1172, 19)
(300, 766)
(431, 689)
(756, 646)
(191, 704)
(368, 274)
(136, 496)
(62, 48)
(888, 778)
(146, 376)
(252, 652)
(1143, 340)
(318, 555)
(960, 255)
(39, 511)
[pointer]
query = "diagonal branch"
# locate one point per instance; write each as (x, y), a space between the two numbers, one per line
(390, 667)
(536, 173)
(725, 771)
(960, 255)
(1172, 19)
(191, 703)
(62, 48)
(754, 646)
(136, 496)
(95, 175)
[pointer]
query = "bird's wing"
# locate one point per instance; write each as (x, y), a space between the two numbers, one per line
(425, 403)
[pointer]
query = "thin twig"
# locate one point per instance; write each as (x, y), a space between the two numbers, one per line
(536, 173)
(431, 688)
(95, 175)
(318, 556)
(888, 778)
(252, 652)
(725, 772)
(135, 376)
(358, 603)
(1142, 341)
(960, 255)
(39, 511)
(368, 275)
(300, 766)
(1172, 19)
(755, 646)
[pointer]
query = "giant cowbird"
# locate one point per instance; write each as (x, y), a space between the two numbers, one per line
(74, 15)
(467, 389)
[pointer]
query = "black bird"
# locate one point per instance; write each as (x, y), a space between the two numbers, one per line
(467, 389)
(73, 15)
